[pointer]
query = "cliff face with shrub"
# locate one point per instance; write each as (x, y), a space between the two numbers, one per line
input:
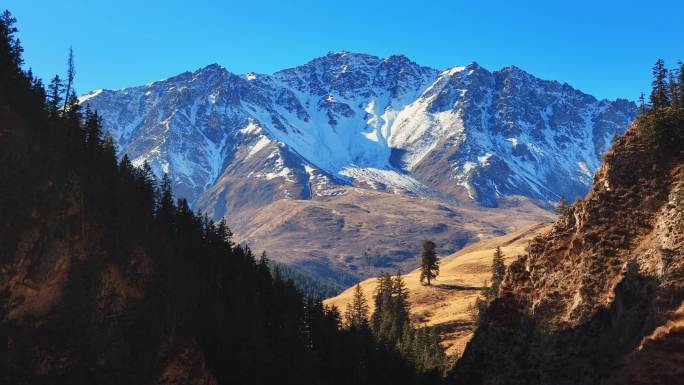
(599, 298)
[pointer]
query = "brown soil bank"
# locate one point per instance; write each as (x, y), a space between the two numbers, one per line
(598, 299)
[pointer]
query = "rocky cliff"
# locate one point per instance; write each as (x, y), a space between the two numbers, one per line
(598, 298)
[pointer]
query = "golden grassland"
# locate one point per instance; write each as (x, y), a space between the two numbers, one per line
(447, 303)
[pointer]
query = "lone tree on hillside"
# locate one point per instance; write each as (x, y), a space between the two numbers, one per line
(357, 311)
(659, 94)
(429, 265)
(498, 272)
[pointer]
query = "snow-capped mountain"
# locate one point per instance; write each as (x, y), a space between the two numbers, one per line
(345, 164)
(345, 118)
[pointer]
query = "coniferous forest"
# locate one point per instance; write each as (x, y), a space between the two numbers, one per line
(105, 279)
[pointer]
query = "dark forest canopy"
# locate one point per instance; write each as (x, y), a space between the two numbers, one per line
(141, 289)
(307, 284)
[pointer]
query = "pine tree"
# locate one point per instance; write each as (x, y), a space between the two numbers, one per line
(54, 96)
(659, 92)
(478, 308)
(426, 351)
(164, 214)
(429, 265)
(263, 269)
(383, 300)
(109, 146)
(498, 272)
(391, 312)
(642, 104)
(165, 193)
(226, 235)
(488, 293)
(93, 131)
(399, 311)
(357, 311)
(400, 298)
(147, 176)
(263, 262)
(405, 344)
(11, 45)
(69, 94)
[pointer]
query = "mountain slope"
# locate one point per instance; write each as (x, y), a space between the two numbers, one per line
(354, 236)
(597, 299)
(352, 118)
(238, 145)
(447, 304)
(104, 279)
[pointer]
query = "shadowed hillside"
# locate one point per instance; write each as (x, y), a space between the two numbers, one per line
(105, 279)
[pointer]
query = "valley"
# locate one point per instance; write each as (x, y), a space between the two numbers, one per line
(346, 218)
(344, 165)
(362, 232)
(447, 304)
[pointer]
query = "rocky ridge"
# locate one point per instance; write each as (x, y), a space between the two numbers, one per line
(319, 141)
(605, 286)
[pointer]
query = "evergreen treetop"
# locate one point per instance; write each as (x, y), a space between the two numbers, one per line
(357, 311)
(659, 93)
(498, 272)
(429, 265)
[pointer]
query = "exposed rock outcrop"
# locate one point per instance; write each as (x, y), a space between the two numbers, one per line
(598, 298)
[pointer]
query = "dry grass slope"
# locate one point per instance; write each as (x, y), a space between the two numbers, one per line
(356, 235)
(447, 303)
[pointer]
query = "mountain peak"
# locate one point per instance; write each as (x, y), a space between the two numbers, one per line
(353, 122)
(337, 53)
(346, 56)
(475, 69)
(213, 68)
(517, 72)
(345, 113)
(398, 58)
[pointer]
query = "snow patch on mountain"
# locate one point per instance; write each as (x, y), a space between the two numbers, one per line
(386, 179)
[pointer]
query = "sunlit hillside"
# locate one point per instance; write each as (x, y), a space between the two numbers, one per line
(448, 302)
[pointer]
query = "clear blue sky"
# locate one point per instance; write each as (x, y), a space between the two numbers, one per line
(605, 48)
